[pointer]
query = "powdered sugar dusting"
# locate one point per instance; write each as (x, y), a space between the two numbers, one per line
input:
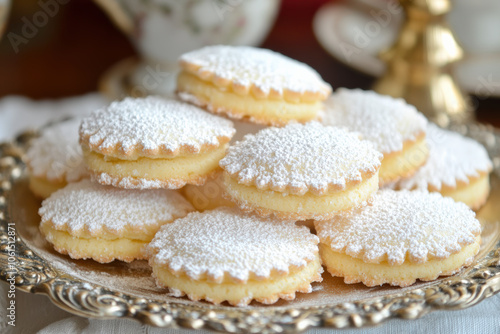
(128, 182)
(383, 120)
(88, 207)
(265, 69)
(153, 124)
(56, 154)
(398, 224)
(298, 158)
(452, 158)
(226, 240)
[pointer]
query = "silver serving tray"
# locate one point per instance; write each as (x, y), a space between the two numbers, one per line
(120, 290)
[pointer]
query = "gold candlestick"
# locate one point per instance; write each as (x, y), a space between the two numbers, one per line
(419, 64)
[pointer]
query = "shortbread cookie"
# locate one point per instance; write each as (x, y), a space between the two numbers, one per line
(396, 128)
(153, 143)
(403, 236)
(457, 167)
(207, 196)
(301, 171)
(226, 255)
(262, 86)
(88, 221)
(55, 158)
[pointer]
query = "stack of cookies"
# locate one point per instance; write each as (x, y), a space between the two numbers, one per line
(223, 220)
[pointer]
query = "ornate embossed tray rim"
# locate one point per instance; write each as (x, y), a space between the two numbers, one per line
(34, 274)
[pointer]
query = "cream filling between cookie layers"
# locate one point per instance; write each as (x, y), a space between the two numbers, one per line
(308, 206)
(264, 111)
(100, 250)
(266, 291)
(404, 163)
(355, 270)
(184, 167)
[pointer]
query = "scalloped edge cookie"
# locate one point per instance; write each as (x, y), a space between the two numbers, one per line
(457, 167)
(396, 128)
(183, 269)
(253, 84)
(301, 172)
(152, 142)
(402, 237)
(77, 221)
(135, 128)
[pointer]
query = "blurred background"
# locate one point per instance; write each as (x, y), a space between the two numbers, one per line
(70, 53)
(66, 51)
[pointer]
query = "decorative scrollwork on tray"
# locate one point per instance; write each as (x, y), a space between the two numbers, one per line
(17, 261)
(32, 273)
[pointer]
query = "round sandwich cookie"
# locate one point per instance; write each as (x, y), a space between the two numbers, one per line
(301, 172)
(227, 255)
(403, 236)
(259, 85)
(55, 159)
(152, 142)
(89, 221)
(457, 167)
(396, 128)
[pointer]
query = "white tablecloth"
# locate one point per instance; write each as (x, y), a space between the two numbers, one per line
(36, 314)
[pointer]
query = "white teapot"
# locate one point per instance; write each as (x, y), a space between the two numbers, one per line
(162, 30)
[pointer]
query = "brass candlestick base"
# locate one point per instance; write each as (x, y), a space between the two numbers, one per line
(419, 64)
